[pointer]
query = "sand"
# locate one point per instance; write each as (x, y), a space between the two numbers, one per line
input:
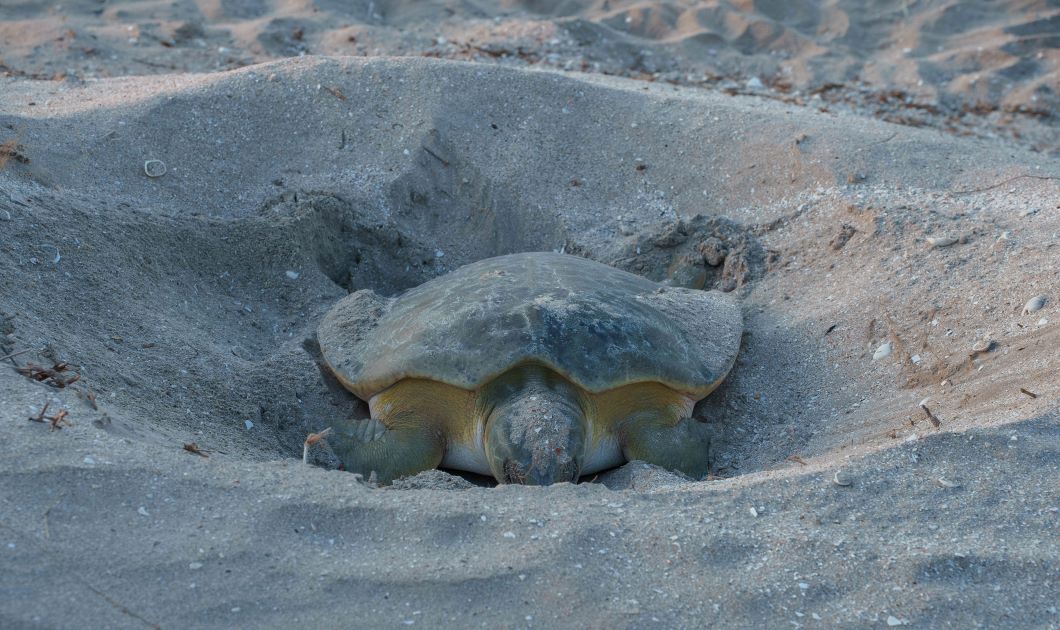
(187, 303)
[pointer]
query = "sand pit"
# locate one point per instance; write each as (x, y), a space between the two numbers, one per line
(187, 303)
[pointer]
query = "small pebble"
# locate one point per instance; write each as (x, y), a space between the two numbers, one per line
(941, 241)
(293, 275)
(915, 359)
(894, 621)
(248, 424)
(753, 512)
(883, 351)
(983, 345)
(154, 168)
(1043, 321)
(142, 511)
(1034, 304)
(840, 478)
(195, 565)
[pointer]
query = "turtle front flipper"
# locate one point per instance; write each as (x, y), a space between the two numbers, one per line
(683, 446)
(369, 445)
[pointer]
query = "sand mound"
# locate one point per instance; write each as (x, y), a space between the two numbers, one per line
(187, 304)
(966, 66)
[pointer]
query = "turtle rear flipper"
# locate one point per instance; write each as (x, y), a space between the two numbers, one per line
(684, 446)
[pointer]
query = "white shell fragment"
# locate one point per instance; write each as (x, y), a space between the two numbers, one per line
(941, 241)
(883, 351)
(948, 483)
(154, 168)
(840, 478)
(1034, 304)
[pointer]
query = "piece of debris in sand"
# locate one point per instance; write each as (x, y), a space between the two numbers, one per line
(88, 396)
(194, 448)
(55, 376)
(312, 439)
(16, 354)
(1028, 393)
(797, 459)
(884, 351)
(842, 479)
(12, 150)
(1034, 304)
(154, 168)
(983, 345)
(56, 421)
(842, 235)
(941, 241)
(935, 422)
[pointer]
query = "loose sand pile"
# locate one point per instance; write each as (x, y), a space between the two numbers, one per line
(186, 304)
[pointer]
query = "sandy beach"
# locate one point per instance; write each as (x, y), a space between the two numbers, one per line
(187, 188)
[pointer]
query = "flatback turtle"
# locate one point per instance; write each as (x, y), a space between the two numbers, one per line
(535, 368)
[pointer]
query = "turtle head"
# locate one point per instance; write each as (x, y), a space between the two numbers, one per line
(536, 437)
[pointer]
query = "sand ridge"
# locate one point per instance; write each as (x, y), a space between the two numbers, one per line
(967, 66)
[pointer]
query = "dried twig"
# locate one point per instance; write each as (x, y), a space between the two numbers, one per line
(192, 447)
(1029, 393)
(16, 354)
(935, 422)
(334, 91)
(1001, 183)
(56, 421)
(40, 416)
(312, 439)
(797, 459)
(59, 419)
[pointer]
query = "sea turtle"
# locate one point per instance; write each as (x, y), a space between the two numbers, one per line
(534, 368)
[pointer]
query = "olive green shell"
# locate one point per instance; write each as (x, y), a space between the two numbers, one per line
(598, 326)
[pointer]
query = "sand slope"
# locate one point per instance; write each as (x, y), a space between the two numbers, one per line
(970, 66)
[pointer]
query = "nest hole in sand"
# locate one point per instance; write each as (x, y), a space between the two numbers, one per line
(222, 353)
